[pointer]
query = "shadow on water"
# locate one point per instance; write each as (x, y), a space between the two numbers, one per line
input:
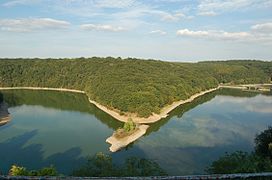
(31, 156)
(58, 100)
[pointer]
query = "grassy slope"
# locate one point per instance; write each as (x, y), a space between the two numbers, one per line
(131, 85)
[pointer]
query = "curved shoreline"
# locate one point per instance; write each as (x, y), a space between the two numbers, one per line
(154, 117)
(123, 118)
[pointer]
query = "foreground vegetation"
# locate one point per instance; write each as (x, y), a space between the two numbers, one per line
(242, 162)
(100, 165)
(131, 85)
(22, 171)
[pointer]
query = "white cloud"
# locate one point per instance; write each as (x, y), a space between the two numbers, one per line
(219, 6)
(102, 27)
(32, 24)
(263, 28)
(207, 13)
(160, 32)
(187, 32)
(212, 34)
(258, 32)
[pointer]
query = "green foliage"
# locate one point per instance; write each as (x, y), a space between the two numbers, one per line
(22, 171)
(263, 143)
(18, 171)
(129, 125)
(131, 85)
(101, 165)
(242, 162)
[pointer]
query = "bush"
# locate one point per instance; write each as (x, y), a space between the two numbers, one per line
(18, 171)
(129, 125)
(22, 171)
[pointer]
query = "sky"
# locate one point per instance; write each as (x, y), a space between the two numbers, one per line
(171, 30)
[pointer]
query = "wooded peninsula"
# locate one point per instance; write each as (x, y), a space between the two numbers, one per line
(142, 87)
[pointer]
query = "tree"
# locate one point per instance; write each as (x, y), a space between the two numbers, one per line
(240, 162)
(129, 125)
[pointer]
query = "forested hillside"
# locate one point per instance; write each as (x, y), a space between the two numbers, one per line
(131, 85)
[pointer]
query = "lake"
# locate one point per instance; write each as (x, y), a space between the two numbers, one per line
(62, 129)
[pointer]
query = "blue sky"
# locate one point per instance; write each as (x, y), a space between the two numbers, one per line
(174, 30)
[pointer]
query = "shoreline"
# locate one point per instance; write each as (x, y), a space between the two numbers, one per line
(43, 88)
(115, 114)
(154, 117)
(123, 118)
(117, 144)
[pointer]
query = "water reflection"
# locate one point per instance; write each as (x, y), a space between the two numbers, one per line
(63, 128)
(58, 100)
(197, 133)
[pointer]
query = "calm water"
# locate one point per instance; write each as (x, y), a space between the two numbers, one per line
(63, 129)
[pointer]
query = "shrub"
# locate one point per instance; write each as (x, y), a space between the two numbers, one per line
(18, 171)
(129, 125)
(22, 171)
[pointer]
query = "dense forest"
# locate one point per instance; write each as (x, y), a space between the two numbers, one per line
(131, 85)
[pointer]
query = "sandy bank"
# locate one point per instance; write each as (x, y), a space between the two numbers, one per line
(154, 117)
(117, 144)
